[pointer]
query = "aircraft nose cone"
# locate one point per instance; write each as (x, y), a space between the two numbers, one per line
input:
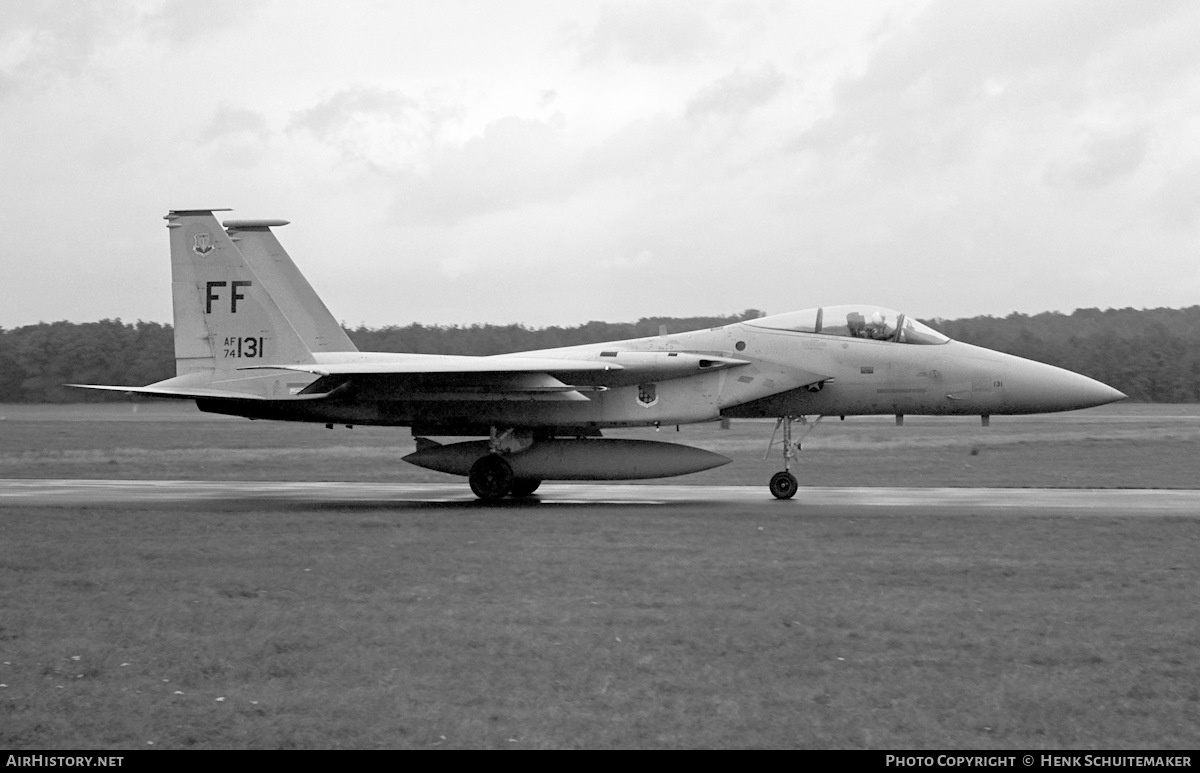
(1036, 387)
(1088, 392)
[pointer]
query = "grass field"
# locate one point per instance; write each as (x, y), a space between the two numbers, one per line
(270, 625)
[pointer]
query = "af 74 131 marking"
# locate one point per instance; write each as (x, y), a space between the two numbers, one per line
(246, 348)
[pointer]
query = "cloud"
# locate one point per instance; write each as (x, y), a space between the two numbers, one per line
(936, 86)
(641, 149)
(1178, 200)
(956, 48)
(648, 33)
(1021, 142)
(737, 93)
(1102, 160)
(229, 120)
(944, 156)
(383, 128)
(514, 163)
(188, 22)
(43, 41)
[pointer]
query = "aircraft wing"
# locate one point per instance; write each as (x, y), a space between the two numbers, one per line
(449, 377)
(611, 368)
(419, 365)
(500, 377)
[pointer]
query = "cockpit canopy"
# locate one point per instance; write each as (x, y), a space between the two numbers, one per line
(873, 322)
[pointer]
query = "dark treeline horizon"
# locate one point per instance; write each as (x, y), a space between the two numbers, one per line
(1152, 355)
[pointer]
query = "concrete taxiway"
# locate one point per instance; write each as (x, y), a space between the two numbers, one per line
(1184, 502)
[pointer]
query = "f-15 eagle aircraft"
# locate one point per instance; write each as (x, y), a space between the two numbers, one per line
(253, 339)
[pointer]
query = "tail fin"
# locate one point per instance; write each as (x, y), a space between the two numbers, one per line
(225, 316)
(295, 297)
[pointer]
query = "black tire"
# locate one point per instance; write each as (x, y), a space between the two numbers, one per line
(783, 485)
(523, 487)
(491, 477)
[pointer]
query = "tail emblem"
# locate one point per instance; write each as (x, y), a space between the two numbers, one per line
(203, 244)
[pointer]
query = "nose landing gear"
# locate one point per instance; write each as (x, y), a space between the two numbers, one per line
(783, 484)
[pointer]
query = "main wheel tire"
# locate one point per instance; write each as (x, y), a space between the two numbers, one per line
(783, 485)
(491, 477)
(523, 487)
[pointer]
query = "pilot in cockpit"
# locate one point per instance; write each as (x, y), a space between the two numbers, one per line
(878, 328)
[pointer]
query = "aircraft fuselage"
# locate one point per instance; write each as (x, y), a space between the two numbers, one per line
(859, 376)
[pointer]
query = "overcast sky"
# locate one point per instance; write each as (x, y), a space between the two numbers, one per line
(556, 162)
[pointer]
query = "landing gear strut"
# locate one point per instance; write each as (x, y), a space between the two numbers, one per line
(783, 484)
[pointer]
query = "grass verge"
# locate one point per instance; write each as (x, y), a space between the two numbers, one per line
(230, 625)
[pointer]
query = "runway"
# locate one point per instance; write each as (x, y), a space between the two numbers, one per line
(49, 492)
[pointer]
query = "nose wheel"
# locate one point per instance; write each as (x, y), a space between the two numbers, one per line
(783, 484)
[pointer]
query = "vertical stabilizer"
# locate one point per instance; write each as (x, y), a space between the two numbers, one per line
(308, 314)
(225, 316)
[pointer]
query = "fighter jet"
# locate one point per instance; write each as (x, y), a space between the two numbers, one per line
(253, 339)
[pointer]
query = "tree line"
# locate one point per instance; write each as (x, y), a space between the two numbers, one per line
(1152, 355)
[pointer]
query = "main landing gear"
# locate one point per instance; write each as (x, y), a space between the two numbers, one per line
(783, 484)
(491, 477)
